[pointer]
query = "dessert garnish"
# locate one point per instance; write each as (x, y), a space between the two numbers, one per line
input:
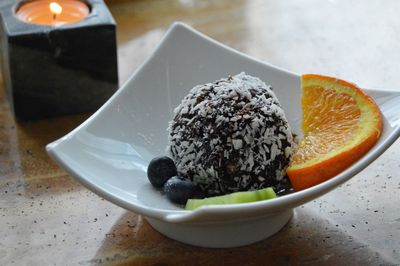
(179, 190)
(232, 198)
(161, 169)
(340, 124)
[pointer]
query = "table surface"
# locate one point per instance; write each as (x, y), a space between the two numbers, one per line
(47, 218)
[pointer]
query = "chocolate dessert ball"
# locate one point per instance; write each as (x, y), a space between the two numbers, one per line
(231, 135)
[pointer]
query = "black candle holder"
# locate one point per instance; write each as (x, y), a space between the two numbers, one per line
(50, 71)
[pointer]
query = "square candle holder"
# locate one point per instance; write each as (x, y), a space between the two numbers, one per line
(57, 70)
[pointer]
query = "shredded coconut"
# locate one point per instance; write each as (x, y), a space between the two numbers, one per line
(231, 135)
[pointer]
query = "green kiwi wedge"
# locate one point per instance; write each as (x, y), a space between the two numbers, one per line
(233, 198)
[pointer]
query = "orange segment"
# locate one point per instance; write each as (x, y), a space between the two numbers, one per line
(340, 124)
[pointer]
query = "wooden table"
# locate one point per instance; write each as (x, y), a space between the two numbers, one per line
(47, 218)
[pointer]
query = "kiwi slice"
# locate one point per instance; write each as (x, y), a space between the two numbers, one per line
(237, 197)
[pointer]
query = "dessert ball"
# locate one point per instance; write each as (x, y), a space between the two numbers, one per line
(231, 135)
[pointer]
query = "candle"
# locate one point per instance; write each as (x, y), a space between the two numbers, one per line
(52, 12)
(57, 70)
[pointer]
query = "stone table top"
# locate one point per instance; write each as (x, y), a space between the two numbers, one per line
(47, 218)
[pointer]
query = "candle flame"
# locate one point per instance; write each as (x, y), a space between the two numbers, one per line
(55, 8)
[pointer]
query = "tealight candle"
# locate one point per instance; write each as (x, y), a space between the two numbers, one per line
(52, 12)
(57, 57)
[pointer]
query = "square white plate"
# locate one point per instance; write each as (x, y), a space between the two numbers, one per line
(109, 152)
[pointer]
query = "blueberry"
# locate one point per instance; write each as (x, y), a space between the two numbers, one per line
(160, 169)
(179, 190)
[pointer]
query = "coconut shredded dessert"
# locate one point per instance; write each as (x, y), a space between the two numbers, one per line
(231, 135)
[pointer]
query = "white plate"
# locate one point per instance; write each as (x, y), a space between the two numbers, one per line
(109, 152)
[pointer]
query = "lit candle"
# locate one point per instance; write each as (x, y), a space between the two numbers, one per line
(57, 70)
(56, 9)
(52, 12)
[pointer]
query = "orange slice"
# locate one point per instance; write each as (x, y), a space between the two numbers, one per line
(340, 124)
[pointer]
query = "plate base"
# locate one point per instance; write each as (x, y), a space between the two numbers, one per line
(223, 234)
